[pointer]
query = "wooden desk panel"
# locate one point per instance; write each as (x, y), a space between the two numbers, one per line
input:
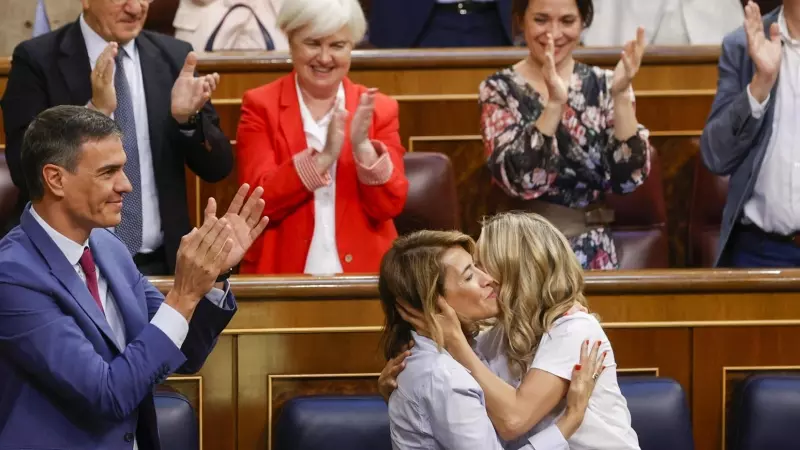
(316, 335)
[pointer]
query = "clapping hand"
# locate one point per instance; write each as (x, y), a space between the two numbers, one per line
(362, 119)
(333, 144)
(765, 53)
(556, 86)
(629, 63)
(104, 95)
(246, 221)
(190, 93)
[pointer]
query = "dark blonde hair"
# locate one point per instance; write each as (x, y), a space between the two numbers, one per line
(412, 271)
(539, 275)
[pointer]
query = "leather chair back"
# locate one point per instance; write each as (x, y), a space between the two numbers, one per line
(432, 202)
(8, 193)
(177, 423)
(640, 223)
(765, 414)
(318, 423)
(709, 194)
(659, 413)
(658, 409)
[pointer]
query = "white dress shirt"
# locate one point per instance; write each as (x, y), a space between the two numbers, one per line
(152, 235)
(607, 423)
(775, 204)
(323, 254)
(438, 405)
(166, 319)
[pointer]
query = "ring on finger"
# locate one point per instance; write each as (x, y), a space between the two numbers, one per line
(595, 376)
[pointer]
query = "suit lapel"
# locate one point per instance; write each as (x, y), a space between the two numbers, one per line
(66, 275)
(290, 120)
(158, 80)
(134, 318)
(73, 62)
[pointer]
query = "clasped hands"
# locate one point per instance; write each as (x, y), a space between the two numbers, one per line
(216, 247)
(189, 93)
(363, 149)
(626, 69)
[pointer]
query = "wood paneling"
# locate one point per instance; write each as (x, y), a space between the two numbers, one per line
(320, 335)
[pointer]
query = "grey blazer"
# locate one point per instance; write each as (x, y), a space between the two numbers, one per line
(734, 142)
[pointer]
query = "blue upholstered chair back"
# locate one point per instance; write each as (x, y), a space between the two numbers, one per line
(659, 413)
(177, 423)
(766, 414)
(658, 408)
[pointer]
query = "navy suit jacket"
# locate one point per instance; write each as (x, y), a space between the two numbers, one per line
(54, 69)
(64, 382)
(399, 24)
(734, 142)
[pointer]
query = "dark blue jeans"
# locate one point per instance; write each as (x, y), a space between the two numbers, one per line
(751, 249)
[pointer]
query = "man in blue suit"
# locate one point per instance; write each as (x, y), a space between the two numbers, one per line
(440, 23)
(752, 135)
(84, 337)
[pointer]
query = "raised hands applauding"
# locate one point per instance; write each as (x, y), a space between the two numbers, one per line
(629, 63)
(214, 248)
(765, 52)
(556, 86)
(189, 93)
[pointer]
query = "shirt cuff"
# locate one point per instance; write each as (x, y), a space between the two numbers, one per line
(756, 109)
(379, 172)
(218, 296)
(171, 323)
(549, 439)
(307, 171)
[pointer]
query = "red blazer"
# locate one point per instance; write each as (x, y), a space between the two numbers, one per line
(270, 134)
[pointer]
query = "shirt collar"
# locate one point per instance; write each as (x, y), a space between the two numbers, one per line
(71, 249)
(785, 36)
(95, 44)
(305, 113)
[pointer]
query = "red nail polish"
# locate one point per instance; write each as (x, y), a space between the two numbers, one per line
(577, 367)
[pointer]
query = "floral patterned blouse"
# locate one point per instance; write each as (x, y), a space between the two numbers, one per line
(576, 166)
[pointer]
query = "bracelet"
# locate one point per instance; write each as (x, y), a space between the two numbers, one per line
(225, 275)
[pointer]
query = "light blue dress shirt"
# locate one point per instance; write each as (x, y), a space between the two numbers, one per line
(438, 405)
(41, 24)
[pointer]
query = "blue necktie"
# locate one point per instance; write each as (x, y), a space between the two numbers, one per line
(41, 24)
(130, 229)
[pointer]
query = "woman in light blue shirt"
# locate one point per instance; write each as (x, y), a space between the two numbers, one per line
(437, 403)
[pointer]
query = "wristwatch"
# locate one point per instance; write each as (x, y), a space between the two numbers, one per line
(224, 275)
(190, 124)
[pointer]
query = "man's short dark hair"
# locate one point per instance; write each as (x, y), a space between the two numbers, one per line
(56, 136)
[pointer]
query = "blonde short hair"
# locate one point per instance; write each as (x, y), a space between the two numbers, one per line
(323, 17)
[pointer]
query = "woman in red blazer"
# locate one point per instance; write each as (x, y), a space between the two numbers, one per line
(327, 152)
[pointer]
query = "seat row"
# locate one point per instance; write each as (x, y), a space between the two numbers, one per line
(764, 415)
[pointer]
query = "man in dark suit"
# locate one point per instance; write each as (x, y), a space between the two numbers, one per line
(84, 337)
(146, 82)
(440, 23)
(751, 135)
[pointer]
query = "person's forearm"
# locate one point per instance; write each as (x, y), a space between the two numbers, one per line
(548, 121)
(625, 122)
(569, 422)
(501, 398)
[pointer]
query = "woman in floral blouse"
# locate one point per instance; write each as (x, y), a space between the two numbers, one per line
(563, 132)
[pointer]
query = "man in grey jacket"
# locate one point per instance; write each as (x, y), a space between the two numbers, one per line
(752, 135)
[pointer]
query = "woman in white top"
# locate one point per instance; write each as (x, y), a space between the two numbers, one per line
(531, 350)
